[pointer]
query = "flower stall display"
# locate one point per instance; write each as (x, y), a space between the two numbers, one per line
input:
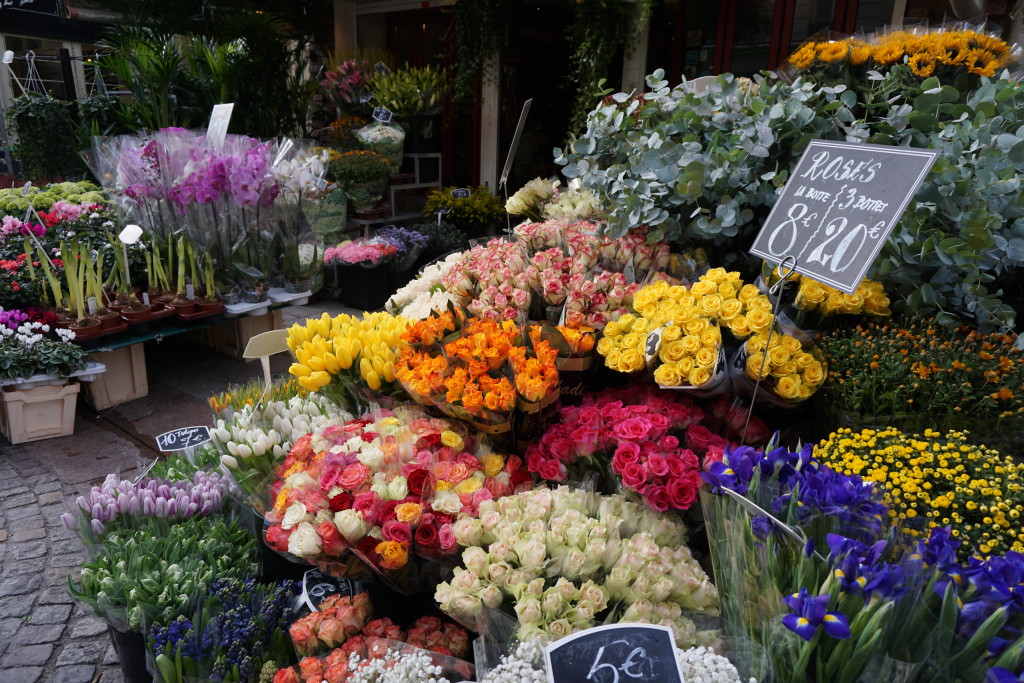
(157, 572)
(385, 488)
(335, 620)
(363, 173)
(385, 139)
(378, 660)
(238, 633)
(254, 440)
(639, 440)
(232, 201)
(832, 593)
(424, 295)
(36, 348)
(562, 560)
(934, 480)
(914, 374)
(487, 374)
(351, 361)
(352, 631)
(475, 215)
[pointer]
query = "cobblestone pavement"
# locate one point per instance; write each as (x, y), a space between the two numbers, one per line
(44, 636)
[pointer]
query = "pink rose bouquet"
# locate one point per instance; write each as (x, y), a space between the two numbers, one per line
(337, 619)
(368, 253)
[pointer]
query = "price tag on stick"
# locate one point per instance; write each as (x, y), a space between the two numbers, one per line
(615, 654)
(381, 68)
(182, 438)
(382, 114)
(838, 208)
(365, 97)
(461, 193)
(217, 129)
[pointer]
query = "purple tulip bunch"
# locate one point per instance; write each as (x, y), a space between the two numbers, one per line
(118, 499)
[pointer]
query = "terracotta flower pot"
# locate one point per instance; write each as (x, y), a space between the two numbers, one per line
(183, 306)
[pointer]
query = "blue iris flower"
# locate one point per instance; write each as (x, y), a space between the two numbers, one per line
(810, 612)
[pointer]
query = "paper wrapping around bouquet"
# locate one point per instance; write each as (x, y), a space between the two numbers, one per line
(717, 385)
(574, 375)
(743, 384)
(532, 418)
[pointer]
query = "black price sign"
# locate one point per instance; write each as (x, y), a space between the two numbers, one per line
(381, 68)
(461, 193)
(317, 587)
(618, 653)
(443, 210)
(365, 97)
(180, 439)
(838, 208)
(382, 114)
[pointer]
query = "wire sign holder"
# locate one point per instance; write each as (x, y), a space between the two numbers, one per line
(835, 213)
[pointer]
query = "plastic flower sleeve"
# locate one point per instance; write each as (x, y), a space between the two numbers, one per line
(385, 139)
(496, 640)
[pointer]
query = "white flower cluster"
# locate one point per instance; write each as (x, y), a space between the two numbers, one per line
(413, 667)
(31, 333)
(298, 177)
(421, 296)
(273, 428)
(380, 133)
(704, 665)
(530, 198)
(573, 203)
(605, 551)
(525, 664)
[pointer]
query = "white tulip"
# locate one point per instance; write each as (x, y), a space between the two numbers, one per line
(229, 462)
(244, 451)
(232, 448)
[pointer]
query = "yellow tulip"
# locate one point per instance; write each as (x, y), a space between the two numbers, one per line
(356, 348)
(316, 363)
(321, 378)
(365, 367)
(373, 380)
(331, 363)
(308, 384)
(389, 372)
(302, 354)
(378, 365)
(344, 355)
(299, 370)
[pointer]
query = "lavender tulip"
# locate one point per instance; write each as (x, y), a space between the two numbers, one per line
(68, 520)
(97, 527)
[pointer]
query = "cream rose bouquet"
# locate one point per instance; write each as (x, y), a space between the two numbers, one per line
(562, 560)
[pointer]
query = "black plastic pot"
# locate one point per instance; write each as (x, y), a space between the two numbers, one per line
(366, 289)
(422, 133)
(131, 652)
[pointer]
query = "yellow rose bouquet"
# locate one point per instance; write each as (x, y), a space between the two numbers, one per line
(348, 359)
(624, 342)
(789, 374)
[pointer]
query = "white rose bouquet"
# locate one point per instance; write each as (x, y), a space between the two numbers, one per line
(562, 562)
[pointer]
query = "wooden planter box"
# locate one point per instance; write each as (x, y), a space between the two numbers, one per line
(231, 338)
(125, 379)
(38, 413)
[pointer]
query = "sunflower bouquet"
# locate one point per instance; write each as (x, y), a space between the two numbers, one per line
(949, 54)
(349, 359)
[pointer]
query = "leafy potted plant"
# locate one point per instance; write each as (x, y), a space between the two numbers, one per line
(94, 289)
(131, 308)
(364, 175)
(415, 96)
(209, 300)
(181, 303)
(476, 215)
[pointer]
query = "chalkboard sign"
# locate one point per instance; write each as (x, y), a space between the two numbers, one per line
(838, 208)
(381, 114)
(443, 210)
(317, 587)
(365, 97)
(615, 654)
(180, 439)
(461, 193)
(381, 68)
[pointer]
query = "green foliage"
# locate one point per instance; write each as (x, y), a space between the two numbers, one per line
(708, 169)
(473, 214)
(44, 357)
(360, 166)
(255, 60)
(479, 33)
(410, 91)
(444, 238)
(597, 34)
(43, 198)
(44, 135)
